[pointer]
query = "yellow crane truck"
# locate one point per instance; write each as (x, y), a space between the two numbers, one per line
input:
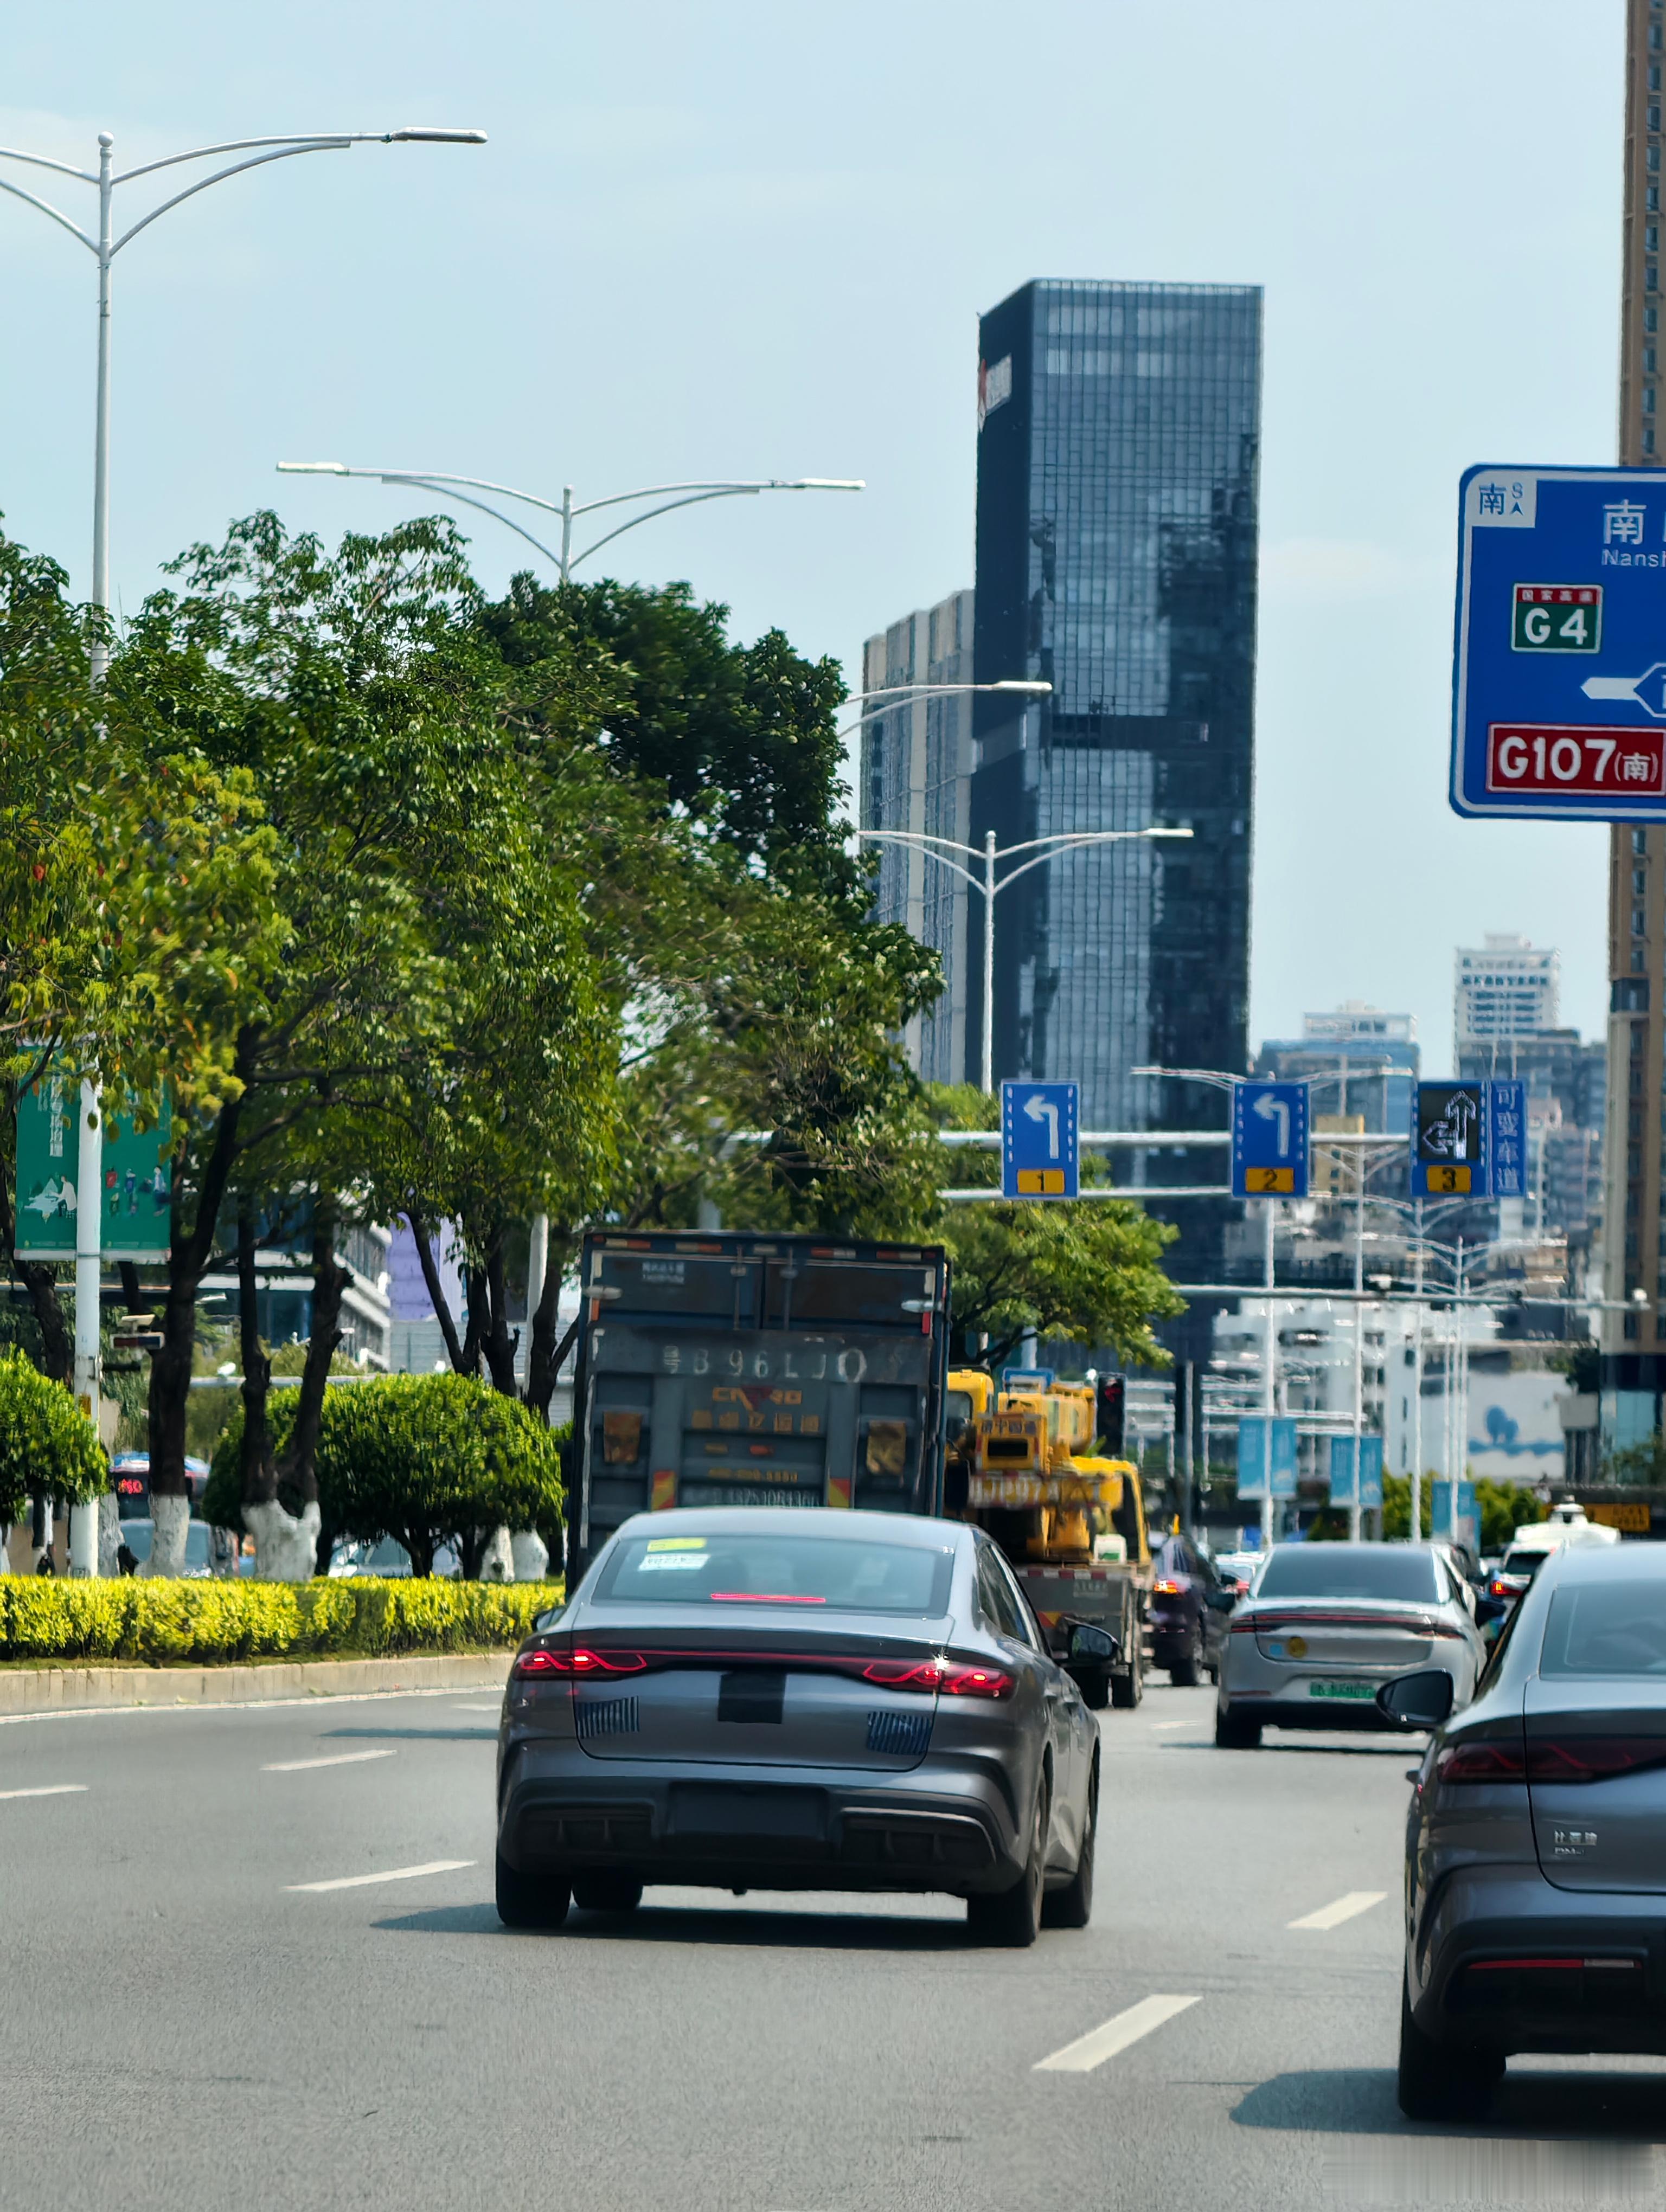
(1021, 1464)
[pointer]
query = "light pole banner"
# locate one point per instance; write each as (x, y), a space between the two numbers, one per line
(137, 1180)
(1255, 1479)
(1371, 1471)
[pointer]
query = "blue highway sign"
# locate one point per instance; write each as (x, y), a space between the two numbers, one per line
(1039, 1154)
(1269, 1140)
(1506, 1140)
(1558, 687)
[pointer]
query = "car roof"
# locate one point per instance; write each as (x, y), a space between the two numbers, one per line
(1639, 1561)
(830, 1522)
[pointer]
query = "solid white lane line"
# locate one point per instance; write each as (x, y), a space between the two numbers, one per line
(53, 1790)
(393, 1873)
(1093, 2049)
(1345, 1908)
(335, 1758)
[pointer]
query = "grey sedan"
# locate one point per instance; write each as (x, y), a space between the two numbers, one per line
(785, 1699)
(1325, 1626)
(1535, 1849)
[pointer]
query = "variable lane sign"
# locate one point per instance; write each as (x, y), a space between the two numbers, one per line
(1039, 1152)
(1471, 1140)
(1559, 691)
(1269, 1139)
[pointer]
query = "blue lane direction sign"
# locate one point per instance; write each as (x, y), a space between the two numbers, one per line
(1448, 1141)
(1269, 1140)
(1039, 1152)
(1253, 1471)
(1558, 685)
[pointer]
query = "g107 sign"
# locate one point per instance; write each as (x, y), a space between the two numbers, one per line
(135, 1178)
(1559, 680)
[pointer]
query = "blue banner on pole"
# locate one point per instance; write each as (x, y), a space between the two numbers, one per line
(1453, 1519)
(1253, 1458)
(1371, 1471)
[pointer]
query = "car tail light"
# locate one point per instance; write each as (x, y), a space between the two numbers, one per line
(1498, 1588)
(1480, 1761)
(1167, 1590)
(1592, 1759)
(951, 1677)
(582, 1660)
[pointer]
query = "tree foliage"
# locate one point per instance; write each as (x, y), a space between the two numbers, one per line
(47, 1443)
(430, 1459)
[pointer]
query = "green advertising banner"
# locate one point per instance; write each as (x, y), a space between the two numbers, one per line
(135, 1178)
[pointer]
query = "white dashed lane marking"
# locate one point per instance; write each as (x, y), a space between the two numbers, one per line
(393, 1873)
(335, 1758)
(1345, 1908)
(1093, 2049)
(52, 1789)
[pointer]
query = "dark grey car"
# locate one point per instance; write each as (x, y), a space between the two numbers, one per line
(1536, 1877)
(789, 1698)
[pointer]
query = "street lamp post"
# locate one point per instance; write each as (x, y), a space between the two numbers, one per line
(105, 245)
(1042, 849)
(461, 489)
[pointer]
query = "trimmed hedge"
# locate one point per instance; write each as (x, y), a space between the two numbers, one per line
(159, 1623)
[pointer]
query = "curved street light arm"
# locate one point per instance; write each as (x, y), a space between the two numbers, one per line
(921, 837)
(46, 208)
(40, 161)
(886, 837)
(312, 146)
(716, 486)
(728, 491)
(429, 479)
(301, 141)
(422, 484)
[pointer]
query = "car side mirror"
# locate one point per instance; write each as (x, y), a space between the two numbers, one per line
(1417, 1701)
(1091, 1646)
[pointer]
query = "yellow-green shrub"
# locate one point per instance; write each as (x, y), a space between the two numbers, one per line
(209, 1623)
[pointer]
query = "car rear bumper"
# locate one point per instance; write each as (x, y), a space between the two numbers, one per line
(1360, 1717)
(1601, 1984)
(741, 1826)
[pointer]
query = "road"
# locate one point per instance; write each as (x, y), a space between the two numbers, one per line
(205, 2005)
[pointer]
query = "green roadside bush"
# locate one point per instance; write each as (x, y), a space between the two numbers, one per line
(209, 1623)
(1503, 1507)
(46, 1442)
(426, 1459)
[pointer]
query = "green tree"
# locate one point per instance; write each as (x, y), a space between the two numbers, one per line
(429, 1460)
(47, 1444)
(1503, 1508)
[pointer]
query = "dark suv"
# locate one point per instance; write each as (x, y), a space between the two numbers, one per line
(1189, 1609)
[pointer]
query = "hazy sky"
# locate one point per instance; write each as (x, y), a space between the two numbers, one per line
(728, 239)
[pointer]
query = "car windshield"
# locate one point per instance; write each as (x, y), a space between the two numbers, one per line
(740, 1568)
(1607, 1628)
(1340, 1571)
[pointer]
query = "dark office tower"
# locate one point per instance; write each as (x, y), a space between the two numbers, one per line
(1119, 430)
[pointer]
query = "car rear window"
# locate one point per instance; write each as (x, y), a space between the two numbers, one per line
(1522, 1562)
(1330, 1571)
(820, 1574)
(1607, 1628)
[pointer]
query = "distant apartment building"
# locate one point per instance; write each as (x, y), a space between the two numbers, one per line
(915, 776)
(1508, 988)
(1358, 1060)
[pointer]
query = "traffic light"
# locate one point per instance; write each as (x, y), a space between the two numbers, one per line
(1110, 1397)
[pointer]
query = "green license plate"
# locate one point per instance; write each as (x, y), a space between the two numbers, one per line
(1365, 1691)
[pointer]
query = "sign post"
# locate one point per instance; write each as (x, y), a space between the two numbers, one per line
(1270, 1162)
(1559, 691)
(1040, 1156)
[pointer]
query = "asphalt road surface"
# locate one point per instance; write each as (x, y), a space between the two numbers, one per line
(250, 1959)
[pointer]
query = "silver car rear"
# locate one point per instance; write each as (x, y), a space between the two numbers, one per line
(1327, 1625)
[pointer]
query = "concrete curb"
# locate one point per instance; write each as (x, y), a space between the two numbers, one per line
(88, 1689)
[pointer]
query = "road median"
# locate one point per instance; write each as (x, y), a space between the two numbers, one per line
(26, 1690)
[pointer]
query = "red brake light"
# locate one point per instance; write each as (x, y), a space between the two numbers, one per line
(1593, 1758)
(954, 1680)
(1165, 1589)
(582, 1661)
(1480, 1762)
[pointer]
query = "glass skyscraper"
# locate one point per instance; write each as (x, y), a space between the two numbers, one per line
(1118, 451)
